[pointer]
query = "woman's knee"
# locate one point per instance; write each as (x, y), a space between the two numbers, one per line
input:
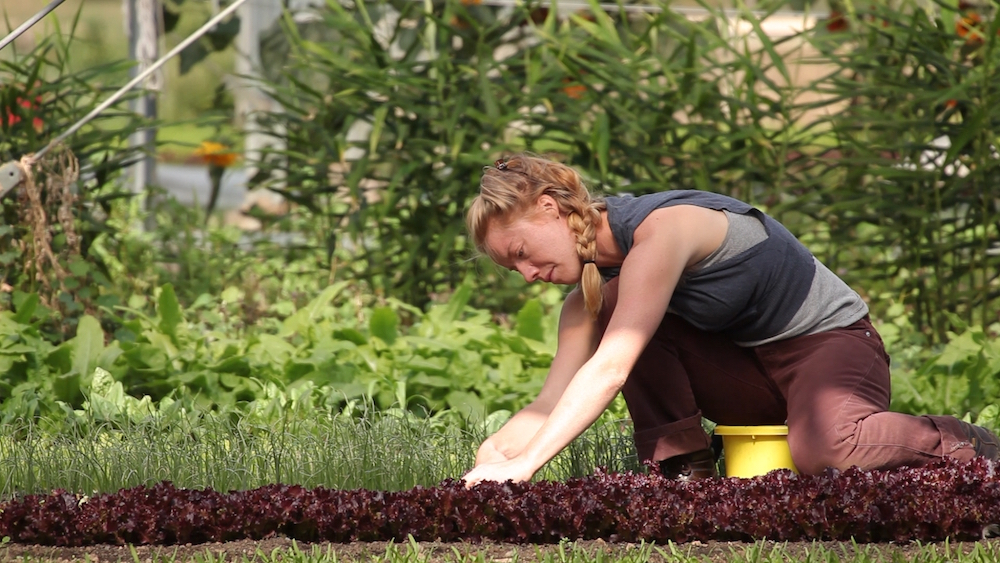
(813, 454)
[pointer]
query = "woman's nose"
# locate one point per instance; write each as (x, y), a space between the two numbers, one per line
(529, 272)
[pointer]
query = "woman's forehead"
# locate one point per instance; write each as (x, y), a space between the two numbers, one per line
(500, 239)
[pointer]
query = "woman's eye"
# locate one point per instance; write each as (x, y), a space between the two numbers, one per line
(520, 253)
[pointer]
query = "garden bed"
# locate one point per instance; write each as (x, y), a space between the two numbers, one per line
(946, 500)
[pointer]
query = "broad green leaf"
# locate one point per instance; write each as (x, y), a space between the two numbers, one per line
(468, 404)
(431, 381)
(529, 320)
(102, 382)
(26, 310)
(67, 387)
(272, 350)
(452, 310)
(169, 311)
(88, 345)
(351, 335)
(306, 317)
(960, 351)
(383, 324)
(429, 365)
(61, 358)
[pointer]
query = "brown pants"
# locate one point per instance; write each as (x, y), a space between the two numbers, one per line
(831, 389)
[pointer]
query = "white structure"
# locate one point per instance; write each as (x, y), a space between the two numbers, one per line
(142, 28)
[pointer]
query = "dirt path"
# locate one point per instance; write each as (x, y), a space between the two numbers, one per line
(437, 551)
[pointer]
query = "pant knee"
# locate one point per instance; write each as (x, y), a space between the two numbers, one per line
(808, 460)
(813, 455)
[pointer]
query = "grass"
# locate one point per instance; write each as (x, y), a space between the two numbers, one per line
(280, 550)
(378, 452)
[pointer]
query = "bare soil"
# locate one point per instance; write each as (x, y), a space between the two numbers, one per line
(250, 550)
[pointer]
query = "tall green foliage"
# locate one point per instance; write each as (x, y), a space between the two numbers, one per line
(390, 117)
(644, 102)
(910, 194)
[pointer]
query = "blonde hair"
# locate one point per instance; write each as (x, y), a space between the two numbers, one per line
(512, 187)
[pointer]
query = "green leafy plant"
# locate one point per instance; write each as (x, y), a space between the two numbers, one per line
(907, 186)
(329, 352)
(46, 233)
(391, 111)
(962, 378)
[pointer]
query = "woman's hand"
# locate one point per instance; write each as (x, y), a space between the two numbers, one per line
(515, 469)
(489, 453)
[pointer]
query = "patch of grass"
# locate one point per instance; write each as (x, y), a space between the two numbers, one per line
(388, 451)
(406, 550)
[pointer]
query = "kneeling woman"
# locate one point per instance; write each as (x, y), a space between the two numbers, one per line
(692, 304)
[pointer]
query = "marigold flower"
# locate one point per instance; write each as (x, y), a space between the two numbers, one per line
(216, 154)
(574, 91)
(969, 27)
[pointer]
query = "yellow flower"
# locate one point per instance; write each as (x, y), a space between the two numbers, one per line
(216, 154)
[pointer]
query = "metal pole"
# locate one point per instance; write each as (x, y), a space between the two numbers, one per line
(143, 34)
(142, 76)
(31, 21)
(249, 98)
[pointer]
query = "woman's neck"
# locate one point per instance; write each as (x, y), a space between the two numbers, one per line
(608, 253)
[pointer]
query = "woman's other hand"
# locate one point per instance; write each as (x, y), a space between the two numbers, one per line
(516, 470)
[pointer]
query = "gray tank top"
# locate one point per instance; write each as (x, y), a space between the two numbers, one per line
(759, 286)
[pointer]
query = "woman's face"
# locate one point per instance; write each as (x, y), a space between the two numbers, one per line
(539, 245)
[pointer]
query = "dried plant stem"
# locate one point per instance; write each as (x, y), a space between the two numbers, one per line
(48, 184)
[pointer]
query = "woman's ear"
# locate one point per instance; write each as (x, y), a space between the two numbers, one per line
(548, 205)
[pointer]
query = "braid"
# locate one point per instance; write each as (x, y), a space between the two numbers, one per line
(584, 223)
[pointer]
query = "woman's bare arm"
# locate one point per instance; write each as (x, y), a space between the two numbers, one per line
(576, 344)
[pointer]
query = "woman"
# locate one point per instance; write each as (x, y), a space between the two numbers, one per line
(692, 304)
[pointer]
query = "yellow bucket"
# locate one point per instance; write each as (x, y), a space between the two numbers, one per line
(755, 450)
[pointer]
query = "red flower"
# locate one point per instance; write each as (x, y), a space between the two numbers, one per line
(837, 22)
(36, 122)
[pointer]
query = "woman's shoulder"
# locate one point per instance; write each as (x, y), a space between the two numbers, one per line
(667, 198)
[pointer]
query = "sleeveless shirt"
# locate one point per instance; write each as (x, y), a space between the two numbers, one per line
(755, 290)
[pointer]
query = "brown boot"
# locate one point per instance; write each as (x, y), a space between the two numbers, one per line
(688, 467)
(983, 441)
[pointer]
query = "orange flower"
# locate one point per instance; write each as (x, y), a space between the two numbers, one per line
(951, 103)
(970, 27)
(216, 154)
(574, 91)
